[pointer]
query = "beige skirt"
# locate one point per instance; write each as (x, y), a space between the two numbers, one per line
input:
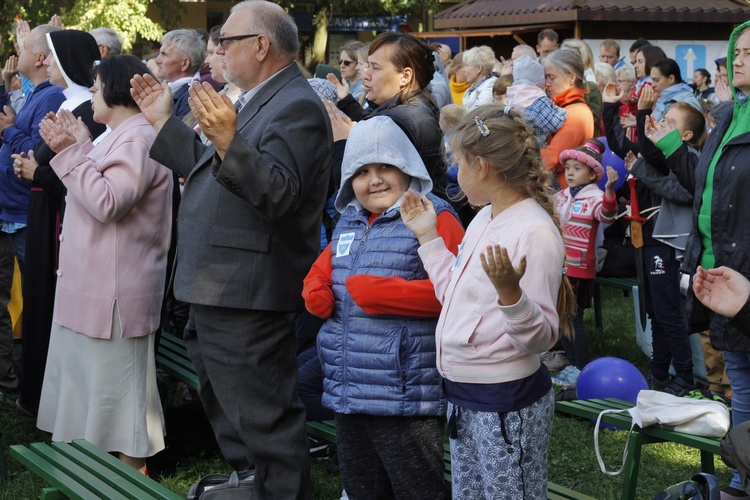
(102, 390)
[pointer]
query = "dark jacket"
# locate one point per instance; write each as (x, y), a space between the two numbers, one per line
(730, 211)
(418, 118)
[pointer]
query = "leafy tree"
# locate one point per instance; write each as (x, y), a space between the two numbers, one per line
(127, 17)
(322, 10)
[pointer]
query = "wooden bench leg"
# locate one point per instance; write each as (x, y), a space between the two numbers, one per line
(597, 305)
(632, 467)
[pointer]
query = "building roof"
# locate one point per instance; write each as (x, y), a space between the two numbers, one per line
(499, 13)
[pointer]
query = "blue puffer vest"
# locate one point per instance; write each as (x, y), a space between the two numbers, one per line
(378, 364)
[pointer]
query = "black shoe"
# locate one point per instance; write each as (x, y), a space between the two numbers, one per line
(658, 384)
(678, 387)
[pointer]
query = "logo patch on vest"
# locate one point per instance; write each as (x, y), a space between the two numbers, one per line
(344, 244)
(577, 207)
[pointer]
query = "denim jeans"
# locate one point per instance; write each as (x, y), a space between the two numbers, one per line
(738, 371)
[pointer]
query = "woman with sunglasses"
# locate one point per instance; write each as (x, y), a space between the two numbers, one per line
(348, 68)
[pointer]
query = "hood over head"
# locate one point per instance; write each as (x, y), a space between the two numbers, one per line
(526, 68)
(730, 60)
(378, 140)
(75, 52)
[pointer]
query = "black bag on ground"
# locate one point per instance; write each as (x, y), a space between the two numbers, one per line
(222, 487)
(700, 487)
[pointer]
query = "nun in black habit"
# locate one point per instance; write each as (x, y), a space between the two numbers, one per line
(69, 66)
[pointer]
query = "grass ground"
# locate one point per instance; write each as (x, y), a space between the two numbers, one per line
(572, 461)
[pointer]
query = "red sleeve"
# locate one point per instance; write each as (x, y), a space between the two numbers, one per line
(316, 289)
(398, 296)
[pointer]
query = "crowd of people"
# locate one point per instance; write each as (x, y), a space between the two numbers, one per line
(407, 244)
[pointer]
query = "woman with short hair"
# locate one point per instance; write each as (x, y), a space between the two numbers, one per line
(100, 379)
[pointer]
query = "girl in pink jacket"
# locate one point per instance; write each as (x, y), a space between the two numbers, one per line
(581, 206)
(504, 300)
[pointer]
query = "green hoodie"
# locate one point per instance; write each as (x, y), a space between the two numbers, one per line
(740, 124)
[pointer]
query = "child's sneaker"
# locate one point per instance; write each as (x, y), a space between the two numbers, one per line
(657, 384)
(567, 377)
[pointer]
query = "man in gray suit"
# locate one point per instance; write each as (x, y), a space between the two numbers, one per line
(248, 232)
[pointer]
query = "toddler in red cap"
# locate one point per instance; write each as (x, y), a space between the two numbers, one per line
(580, 207)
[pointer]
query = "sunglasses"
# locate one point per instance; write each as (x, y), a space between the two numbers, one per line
(345, 63)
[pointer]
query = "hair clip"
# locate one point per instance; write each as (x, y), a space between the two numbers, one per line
(483, 129)
(507, 109)
(565, 271)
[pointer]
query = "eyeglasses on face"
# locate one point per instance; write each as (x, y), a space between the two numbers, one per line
(224, 39)
(346, 64)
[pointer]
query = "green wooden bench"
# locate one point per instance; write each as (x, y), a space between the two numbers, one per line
(327, 431)
(173, 358)
(80, 470)
(625, 284)
(649, 435)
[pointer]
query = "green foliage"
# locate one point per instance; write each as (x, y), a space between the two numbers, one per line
(127, 17)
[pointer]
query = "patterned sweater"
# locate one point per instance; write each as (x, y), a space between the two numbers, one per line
(579, 218)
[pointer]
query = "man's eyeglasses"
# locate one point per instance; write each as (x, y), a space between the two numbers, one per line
(345, 63)
(223, 39)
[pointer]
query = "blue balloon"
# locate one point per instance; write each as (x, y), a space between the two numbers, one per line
(610, 378)
(609, 159)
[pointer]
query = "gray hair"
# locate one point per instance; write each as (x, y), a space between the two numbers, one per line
(627, 72)
(480, 56)
(568, 62)
(524, 50)
(39, 44)
(605, 73)
(272, 21)
(189, 44)
(109, 38)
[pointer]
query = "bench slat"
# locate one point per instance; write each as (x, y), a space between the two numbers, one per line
(71, 479)
(146, 484)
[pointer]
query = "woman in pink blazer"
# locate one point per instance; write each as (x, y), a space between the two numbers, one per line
(100, 381)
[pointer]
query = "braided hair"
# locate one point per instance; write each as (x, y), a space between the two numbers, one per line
(514, 156)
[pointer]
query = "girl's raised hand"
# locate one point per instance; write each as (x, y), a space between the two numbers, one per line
(612, 178)
(504, 277)
(418, 215)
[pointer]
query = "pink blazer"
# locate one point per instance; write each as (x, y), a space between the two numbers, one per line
(113, 247)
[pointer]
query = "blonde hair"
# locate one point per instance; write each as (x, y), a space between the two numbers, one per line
(512, 152)
(480, 56)
(452, 113)
(587, 57)
(605, 74)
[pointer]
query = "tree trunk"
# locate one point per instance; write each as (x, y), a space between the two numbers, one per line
(320, 37)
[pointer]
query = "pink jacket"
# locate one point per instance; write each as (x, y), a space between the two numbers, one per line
(579, 218)
(479, 341)
(116, 234)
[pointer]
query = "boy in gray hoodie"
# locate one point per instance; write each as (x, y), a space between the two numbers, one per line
(377, 346)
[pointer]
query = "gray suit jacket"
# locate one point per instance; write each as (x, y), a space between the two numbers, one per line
(249, 226)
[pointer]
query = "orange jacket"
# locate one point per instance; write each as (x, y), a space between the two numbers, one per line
(578, 127)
